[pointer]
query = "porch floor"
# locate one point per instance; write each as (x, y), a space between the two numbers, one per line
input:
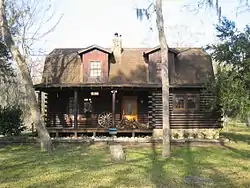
(56, 131)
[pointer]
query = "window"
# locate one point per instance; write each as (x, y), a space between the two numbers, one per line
(179, 102)
(191, 102)
(95, 69)
(186, 102)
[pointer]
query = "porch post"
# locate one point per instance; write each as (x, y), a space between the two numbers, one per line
(40, 101)
(75, 109)
(113, 106)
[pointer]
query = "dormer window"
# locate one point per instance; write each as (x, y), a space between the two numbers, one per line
(95, 69)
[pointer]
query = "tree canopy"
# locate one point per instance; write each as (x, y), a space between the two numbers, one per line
(6, 70)
(232, 54)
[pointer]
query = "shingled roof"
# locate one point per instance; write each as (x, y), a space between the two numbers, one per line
(192, 65)
(132, 68)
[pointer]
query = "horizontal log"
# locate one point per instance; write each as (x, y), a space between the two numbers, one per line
(158, 123)
(157, 110)
(193, 123)
(158, 127)
(195, 127)
(194, 113)
(158, 104)
(156, 93)
(193, 120)
(190, 127)
(157, 99)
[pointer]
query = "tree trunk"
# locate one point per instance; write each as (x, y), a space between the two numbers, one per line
(165, 80)
(21, 62)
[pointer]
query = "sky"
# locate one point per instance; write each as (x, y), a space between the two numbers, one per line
(87, 22)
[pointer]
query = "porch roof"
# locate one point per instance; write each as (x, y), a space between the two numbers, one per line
(95, 85)
(43, 86)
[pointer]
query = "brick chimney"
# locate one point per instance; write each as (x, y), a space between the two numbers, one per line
(117, 47)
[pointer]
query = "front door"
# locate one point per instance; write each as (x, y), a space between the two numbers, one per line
(129, 107)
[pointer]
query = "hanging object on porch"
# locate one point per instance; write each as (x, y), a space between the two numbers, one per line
(105, 119)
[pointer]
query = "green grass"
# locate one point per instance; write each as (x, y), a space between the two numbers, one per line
(79, 165)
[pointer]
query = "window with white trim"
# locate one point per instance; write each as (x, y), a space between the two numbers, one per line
(95, 69)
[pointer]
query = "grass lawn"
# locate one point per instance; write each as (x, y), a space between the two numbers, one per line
(79, 165)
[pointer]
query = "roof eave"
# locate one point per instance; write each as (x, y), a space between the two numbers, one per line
(158, 48)
(94, 47)
(155, 85)
(152, 50)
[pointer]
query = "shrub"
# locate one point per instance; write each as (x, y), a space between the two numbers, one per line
(10, 120)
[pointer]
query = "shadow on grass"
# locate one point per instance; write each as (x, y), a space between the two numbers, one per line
(236, 137)
(51, 169)
(199, 172)
(193, 163)
(219, 179)
(156, 171)
(83, 165)
(191, 166)
(236, 153)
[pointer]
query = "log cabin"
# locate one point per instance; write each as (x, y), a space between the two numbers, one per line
(88, 90)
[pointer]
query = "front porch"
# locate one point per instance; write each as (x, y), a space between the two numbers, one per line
(92, 110)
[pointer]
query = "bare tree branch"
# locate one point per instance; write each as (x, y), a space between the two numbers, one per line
(9, 32)
(243, 6)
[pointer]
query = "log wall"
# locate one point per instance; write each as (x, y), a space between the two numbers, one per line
(203, 117)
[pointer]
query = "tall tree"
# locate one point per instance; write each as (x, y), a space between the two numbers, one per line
(164, 79)
(21, 60)
(164, 72)
(232, 54)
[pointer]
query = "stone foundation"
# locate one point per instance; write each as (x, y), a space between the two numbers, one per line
(190, 133)
(157, 133)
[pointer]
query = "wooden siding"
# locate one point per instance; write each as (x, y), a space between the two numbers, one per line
(95, 55)
(201, 118)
